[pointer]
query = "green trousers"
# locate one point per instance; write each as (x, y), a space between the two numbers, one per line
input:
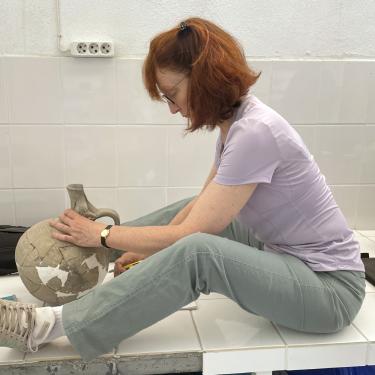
(279, 287)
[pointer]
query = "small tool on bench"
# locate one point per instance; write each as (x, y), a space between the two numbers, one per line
(130, 265)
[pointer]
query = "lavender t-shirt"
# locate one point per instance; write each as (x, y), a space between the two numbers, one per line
(292, 210)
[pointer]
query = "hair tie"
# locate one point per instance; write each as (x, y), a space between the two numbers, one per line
(183, 26)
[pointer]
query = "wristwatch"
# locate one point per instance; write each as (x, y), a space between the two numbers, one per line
(104, 234)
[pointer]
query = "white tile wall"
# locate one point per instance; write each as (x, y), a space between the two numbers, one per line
(339, 153)
(262, 88)
(294, 90)
(34, 205)
(368, 158)
(370, 118)
(4, 109)
(88, 91)
(136, 202)
(34, 90)
(91, 121)
(329, 92)
(5, 175)
(354, 93)
(37, 156)
(7, 213)
(90, 154)
(191, 157)
(142, 155)
(133, 103)
(176, 194)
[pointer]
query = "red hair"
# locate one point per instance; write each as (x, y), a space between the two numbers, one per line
(214, 62)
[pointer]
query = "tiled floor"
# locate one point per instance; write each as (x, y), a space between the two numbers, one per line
(229, 338)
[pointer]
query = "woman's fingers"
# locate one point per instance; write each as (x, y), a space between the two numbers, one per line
(118, 269)
(63, 228)
(64, 218)
(124, 260)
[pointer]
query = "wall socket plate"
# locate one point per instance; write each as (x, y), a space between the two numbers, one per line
(92, 49)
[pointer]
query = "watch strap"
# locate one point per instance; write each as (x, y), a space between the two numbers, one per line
(103, 238)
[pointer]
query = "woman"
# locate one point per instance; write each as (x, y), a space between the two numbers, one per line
(264, 231)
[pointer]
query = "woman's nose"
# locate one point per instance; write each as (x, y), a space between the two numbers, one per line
(174, 108)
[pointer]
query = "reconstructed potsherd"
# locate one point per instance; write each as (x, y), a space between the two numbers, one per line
(59, 272)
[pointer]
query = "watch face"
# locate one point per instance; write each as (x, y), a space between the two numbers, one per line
(105, 232)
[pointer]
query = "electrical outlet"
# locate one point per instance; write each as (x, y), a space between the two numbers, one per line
(92, 49)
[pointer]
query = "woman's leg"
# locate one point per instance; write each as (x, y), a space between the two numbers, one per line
(279, 287)
(235, 231)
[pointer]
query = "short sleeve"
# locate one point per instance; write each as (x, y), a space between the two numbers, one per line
(250, 155)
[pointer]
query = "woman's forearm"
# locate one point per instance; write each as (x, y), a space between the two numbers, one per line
(181, 216)
(144, 240)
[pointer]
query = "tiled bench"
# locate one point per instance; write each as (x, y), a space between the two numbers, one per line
(213, 335)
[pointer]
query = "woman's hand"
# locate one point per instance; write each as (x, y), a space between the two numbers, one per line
(77, 229)
(124, 260)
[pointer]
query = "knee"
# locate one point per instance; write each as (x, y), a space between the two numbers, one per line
(196, 243)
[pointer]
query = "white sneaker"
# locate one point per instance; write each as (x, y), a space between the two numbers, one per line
(18, 326)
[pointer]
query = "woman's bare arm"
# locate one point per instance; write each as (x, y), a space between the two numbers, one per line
(181, 216)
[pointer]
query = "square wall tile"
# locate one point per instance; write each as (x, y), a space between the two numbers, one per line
(370, 118)
(294, 90)
(88, 91)
(137, 202)
(134, 106)
(7, 207)
(355, 92)
(366, 208)
(176, 194)
(91, 155)
(5, 162)
(331, 77)
(4, 108)
(34, 90)
(190, 158)
(37, 156)
(33, 206)
(339, 152)
(368, 161)
(346, 198)
(142, 155)
(262, 88)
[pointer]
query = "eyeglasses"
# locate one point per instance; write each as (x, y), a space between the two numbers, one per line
(165, 98)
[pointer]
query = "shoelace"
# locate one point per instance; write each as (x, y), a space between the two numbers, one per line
(11, 321)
